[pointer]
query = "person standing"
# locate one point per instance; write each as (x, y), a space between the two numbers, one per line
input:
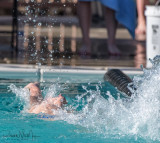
(116, 11)
(140, 30)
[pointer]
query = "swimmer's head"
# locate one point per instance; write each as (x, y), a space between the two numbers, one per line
(59, 101)
(36, 84)
(62, 99)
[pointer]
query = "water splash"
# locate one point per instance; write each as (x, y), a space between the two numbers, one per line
(135, 117)
(54, 89)
(22, 94)
(138, 116)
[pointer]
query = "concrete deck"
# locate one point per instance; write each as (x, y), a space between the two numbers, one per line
(133, 51)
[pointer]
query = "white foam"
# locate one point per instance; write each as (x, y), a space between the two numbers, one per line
(22, 94)
(138, 116)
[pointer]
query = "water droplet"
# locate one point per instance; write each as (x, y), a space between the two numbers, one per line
(34, 20)
(39, 24)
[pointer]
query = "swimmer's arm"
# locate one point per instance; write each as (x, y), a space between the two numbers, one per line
(36, 109)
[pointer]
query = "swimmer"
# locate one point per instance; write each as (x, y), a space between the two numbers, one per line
(39, 105)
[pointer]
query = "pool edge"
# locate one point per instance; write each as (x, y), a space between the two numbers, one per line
(65, 69)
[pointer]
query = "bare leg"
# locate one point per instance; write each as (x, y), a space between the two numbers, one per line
(141, 27)
(35, 93)
(84, 14)
(111, 25)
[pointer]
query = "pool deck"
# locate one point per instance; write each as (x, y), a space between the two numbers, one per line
(133, 54)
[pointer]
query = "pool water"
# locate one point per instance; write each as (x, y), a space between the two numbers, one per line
(99, 113)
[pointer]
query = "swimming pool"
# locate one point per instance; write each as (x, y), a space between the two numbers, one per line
(99, 115)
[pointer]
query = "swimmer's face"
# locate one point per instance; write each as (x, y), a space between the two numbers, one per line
(59, 100)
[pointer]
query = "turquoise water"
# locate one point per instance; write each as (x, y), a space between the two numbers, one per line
(100, 114)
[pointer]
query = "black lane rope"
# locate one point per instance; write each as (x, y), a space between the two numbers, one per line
(118, 79)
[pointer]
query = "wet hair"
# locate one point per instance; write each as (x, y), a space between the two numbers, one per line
(64, 101)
